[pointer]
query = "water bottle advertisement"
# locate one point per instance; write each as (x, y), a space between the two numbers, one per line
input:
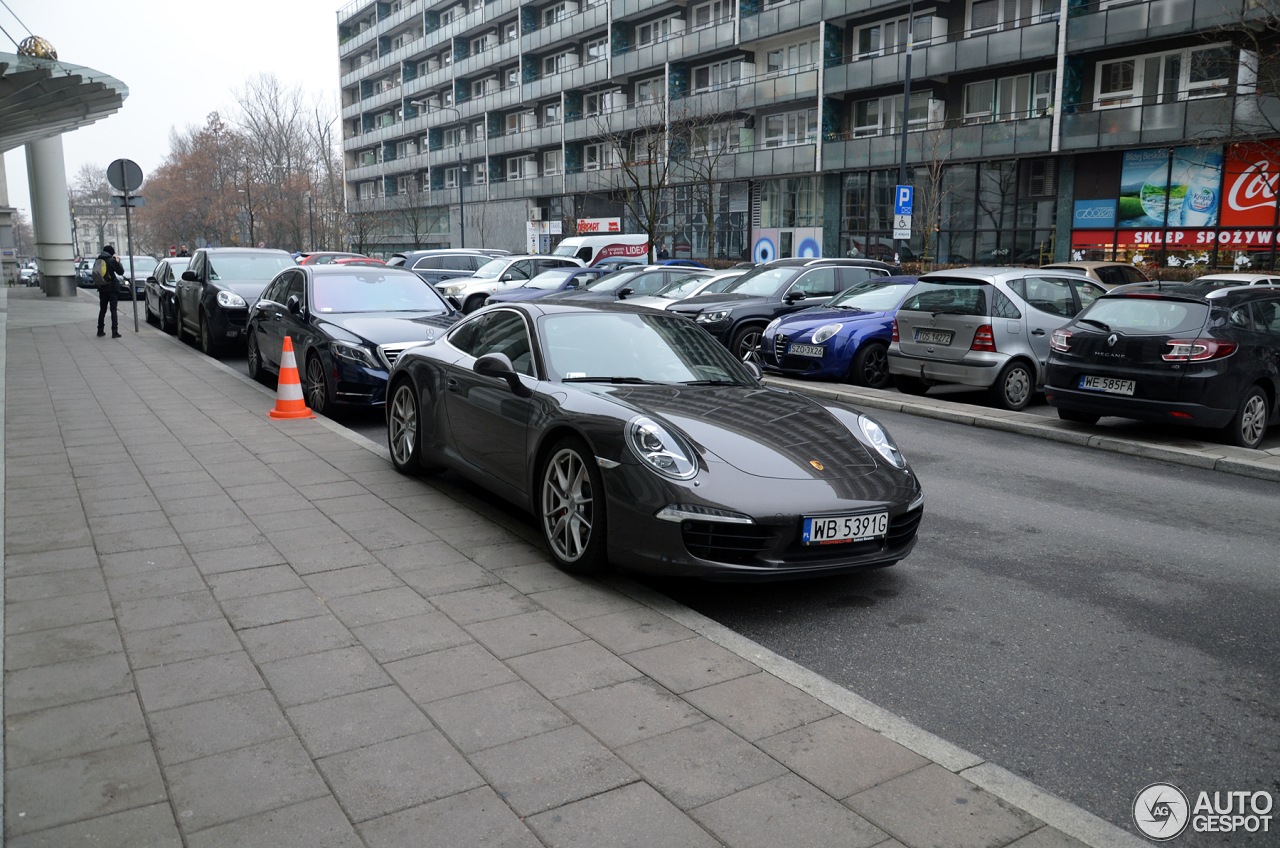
(1191, 191)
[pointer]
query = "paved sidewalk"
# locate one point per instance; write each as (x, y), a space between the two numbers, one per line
(226, 631)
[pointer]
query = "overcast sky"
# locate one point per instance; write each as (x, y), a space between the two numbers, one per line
(180, 61)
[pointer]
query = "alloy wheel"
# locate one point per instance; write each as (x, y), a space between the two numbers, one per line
(1253, 420)
(206, 336)
(402, 425)
(567, 505)
(875, 367)
(315, 388)
(254, 357)
(749, 347)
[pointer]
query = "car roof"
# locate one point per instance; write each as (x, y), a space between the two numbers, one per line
(259, 251)
(1189, 291)
(347, 269)
(1237, 276)
(1086, 265)
(558, 307)
(820, 261)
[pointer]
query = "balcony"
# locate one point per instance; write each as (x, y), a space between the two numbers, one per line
(533, 139)
(679, 47)
(571, 27)
(623, 9)
(574, 78)
(533, 187)
(382, 99)
(400, 54)
(503, 98)
(787, 17)
(355, 42)
(502, 54)
(1145, 21)
(987, 50)
(949, 141)
(500, 8)
(449, 156)
(756, 162)
(748, 94)
(1204, 119)
(364, 172)
(456, 27)
(407, 12)
(352, 109)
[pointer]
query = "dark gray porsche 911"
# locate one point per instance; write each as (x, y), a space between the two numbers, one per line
(635, 438)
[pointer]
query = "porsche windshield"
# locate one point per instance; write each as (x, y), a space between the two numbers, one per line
(374, 291)
(635, 348)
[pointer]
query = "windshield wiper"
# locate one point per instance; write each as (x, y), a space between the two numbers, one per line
(711, 383)
(950, 312)
(628, 380)
(1101, 326)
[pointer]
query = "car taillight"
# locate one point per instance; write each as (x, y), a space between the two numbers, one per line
(895, 330)
(1198, 350)
(1060, 341)
(984, 339)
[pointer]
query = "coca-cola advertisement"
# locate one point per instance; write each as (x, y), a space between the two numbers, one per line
(1252, 180)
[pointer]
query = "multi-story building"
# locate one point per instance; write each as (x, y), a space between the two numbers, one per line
(1036, 129)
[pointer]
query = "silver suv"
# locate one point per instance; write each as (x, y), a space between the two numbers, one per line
(984, 327)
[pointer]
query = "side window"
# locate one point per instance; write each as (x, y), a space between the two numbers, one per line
(197, 266)
(466, 335)
(1238, 318)
(648, 283)
(820, 282)
(1134, 275)
(1050, 295)
(504, 332)
(458, 263)
(1111, 276)
(584, 253)
(1088, 292)
(1266, 317)
(295, 288)
(272, 291)
(426, 262)
(853, 276)
(521, 270)
(1002, 307)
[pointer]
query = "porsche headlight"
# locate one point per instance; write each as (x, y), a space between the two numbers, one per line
(659, 449)
(825, 332)
(231, 300)
(353, 354)
(879, 439)
(772, 325)
(712, 317)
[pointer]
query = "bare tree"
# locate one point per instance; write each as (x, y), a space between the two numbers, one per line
(702, 140)
(1255, 30)
(91, 198)
(480, 223)
(363, 225)
(932, 191)
(638, 167)
(411, 214)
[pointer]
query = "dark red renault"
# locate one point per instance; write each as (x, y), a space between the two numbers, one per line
(1172, 355)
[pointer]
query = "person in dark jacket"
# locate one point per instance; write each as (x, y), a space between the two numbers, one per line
(107, 271)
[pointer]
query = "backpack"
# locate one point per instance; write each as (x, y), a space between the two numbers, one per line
(100, 273)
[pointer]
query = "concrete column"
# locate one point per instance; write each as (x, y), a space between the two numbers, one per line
(51, 217)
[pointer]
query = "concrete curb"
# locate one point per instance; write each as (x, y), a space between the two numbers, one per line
(1213, 457)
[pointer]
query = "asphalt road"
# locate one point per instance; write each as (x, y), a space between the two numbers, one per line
(1091, 621)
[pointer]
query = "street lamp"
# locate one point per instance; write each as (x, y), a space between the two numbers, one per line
(311, 223)
(462, 217)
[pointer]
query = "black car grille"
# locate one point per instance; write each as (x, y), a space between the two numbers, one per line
(736, 544)
(779, 347)
(903, 527)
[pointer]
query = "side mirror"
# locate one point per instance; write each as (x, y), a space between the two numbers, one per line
(793, 296)
(454, 302)
(190, 277)
(293, 305)
(624, 291)
(506, 278)
(498, 365)
(151, 280)
(753, 369)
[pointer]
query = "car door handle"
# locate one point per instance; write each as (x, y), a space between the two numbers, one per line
(451, 384)
(1037, 332)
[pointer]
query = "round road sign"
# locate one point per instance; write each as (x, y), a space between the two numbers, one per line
(124, 175)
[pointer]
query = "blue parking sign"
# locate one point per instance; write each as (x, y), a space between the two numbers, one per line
(902, 200)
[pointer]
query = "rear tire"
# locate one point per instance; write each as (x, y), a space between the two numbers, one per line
(168, 321)
(870, 366)
(253, 356)
(571, 506)
(1077, 417)
(152, 318)
(404, 432)
(910, 385)
(1249, 425)
(1014, 387)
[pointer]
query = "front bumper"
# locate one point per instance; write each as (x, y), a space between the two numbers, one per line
(975, 368)
(358, 385)
(228, 325)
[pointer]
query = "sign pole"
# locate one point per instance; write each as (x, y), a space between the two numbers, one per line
(128, 234)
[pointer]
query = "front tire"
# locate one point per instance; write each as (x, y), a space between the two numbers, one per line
(572, 508)
(1014, 387)
(910, 385)
(746, 344)
(1249, 424)
(870, 366)
(207, 344)
(168, 320)
(473, 303)
(152, 318)
(315, 387)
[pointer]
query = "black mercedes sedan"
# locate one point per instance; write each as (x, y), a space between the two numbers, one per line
(637, 440)
(738, 315)
(1180, 354)
(215, 292)
(348, 324)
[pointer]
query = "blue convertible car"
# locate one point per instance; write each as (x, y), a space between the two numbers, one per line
(846, 339)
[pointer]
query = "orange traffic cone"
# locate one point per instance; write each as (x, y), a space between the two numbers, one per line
(289, 400)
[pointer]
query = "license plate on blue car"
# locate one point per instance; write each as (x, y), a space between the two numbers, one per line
(815, 351)
(845, 528)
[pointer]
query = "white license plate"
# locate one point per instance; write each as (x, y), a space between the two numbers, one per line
(1110, 385)
(816, 351)
(942, 337)
(845, 528)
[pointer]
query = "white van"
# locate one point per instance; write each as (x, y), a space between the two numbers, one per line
(592, 249)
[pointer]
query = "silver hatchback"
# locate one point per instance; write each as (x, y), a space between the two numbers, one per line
(984, 327)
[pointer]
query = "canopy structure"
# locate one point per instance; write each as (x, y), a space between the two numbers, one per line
(40, 98)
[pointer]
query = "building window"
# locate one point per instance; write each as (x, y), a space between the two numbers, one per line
(717, 75)
(659, 30)
(884, 37)
(649, 91)
(510, 31)
(789, 128)
(522, 167)
(480, 173)
(1165, 77)
(480, 88)
(488, 41)
(521, 122)
(992, 15)
(405, 149)
(710, 14)
(407, 184)
(598, 156)
(451, 177)
(368, 191)
(558, 12)
(793, 57)
(604, 102)
(716, 139)
(1009, 98)
(511, 77)
(455, 136)
(884, 114)
(551, 114)
(597, 49)
(560, 62)
(368, 157)
(551, 163)
(446, 57)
